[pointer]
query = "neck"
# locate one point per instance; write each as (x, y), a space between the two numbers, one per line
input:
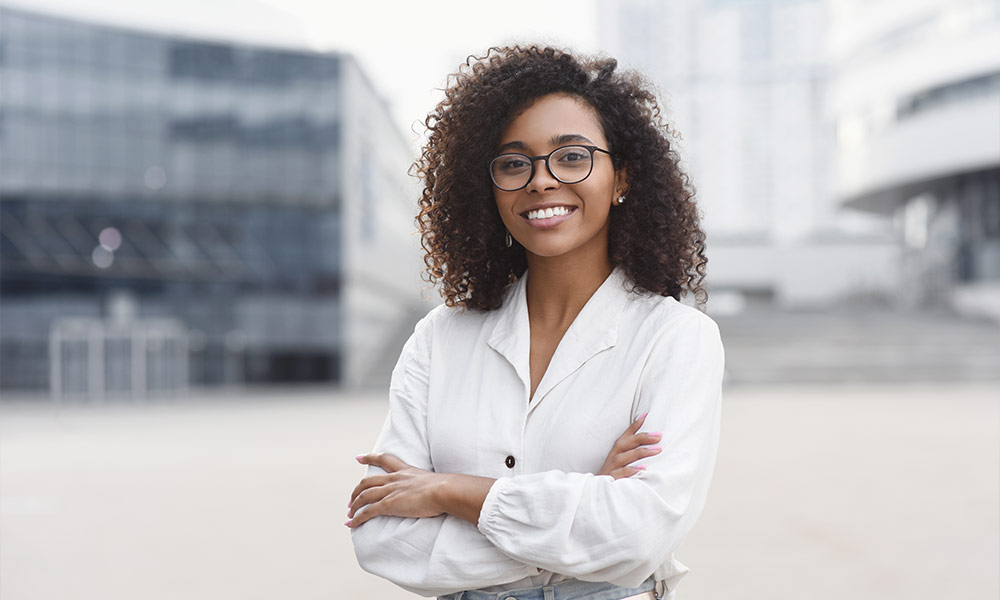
(559, 287)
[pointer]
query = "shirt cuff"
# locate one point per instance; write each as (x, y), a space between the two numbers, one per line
(491, 507)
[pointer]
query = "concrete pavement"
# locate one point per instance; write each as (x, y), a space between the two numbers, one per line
(863, 492)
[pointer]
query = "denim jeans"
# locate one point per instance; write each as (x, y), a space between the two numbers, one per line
(572, 589)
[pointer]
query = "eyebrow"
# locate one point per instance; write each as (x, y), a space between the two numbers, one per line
(556, 140)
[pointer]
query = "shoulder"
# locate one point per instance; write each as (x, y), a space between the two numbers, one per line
(664, 316)
(678, 341)
(443, 321)
(673, 334)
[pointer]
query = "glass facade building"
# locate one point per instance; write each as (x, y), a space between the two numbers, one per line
(916, 99)
(746, 85)
(146, 178)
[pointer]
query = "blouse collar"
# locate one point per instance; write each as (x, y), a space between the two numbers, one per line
(593, 330)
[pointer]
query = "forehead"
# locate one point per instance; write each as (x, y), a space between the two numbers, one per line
(553, 115)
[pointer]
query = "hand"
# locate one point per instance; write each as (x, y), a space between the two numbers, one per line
(627, 450)
(403, 491)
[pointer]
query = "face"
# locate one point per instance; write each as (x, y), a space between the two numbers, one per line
(551, 122)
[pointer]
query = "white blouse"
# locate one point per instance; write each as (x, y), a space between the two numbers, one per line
(458, 403)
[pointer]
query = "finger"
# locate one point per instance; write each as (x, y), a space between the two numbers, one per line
(386, 461)
(624, 459)
(369, 496)
(367, 482)
(360, 518)
(635, 425)
(371, 510)
(365, 515)
(650, 437)
(629, 442)
(625, 437)
(639, 453)
(627, 471)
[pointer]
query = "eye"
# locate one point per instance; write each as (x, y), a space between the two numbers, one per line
(510, 163)
(574, 155)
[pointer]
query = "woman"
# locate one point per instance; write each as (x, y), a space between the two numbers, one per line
(519, 456)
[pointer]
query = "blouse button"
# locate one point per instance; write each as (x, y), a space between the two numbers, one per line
(509, 462)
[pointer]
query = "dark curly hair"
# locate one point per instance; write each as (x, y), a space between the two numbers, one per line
(656, 236)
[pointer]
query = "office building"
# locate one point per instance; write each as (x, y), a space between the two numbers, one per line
(179, 211)
(745, 83)
(916, 100)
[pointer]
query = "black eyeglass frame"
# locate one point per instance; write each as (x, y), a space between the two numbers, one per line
(533, 159)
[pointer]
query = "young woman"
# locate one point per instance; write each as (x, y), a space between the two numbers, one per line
(553, 425)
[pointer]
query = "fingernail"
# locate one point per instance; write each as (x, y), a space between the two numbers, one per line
(642, 416)
(656, 433)
(359, 457)
(348, 523)
(640, 467)
(655, 448)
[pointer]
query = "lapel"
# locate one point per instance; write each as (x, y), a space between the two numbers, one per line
(593, 330)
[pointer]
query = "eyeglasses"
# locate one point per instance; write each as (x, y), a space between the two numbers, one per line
(568, 164)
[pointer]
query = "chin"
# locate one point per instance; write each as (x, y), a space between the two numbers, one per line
(549, 250)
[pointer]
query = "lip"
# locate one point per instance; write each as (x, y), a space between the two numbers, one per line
(550, 222)
(549, 204)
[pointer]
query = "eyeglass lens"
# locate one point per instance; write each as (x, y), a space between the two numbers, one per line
(569, 164)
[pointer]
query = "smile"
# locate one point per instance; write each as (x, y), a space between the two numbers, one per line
(547, 218)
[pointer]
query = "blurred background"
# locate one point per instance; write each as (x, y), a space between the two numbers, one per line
(208, 267)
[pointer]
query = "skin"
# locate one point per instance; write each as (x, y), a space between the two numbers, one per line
(567, 264)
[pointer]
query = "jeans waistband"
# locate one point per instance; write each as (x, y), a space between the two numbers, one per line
(573, 589)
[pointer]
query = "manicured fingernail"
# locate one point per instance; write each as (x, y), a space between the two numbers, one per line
(359, 457)
(642, 416)
(655, 448)
(348, 523)
(656, 433)
(639, 467)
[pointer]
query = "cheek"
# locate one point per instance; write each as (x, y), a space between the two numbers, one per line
(599, 196)
(504, 203)
(602, 186)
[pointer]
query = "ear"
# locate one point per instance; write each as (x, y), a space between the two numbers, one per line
(621, 181)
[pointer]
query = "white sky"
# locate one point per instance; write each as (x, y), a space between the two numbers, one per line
(406, 47)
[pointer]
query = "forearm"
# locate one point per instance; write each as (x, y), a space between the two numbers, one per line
(589, 527)
(463, 495)
(433, 556)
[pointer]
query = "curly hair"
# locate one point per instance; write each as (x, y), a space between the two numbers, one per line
(656, 237)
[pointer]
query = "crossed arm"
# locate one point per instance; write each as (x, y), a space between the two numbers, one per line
(482, 531)
(406, 491)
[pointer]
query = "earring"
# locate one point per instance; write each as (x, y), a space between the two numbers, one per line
(621, 199)
(509, 240)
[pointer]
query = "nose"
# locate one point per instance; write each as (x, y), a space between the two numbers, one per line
(542, 179)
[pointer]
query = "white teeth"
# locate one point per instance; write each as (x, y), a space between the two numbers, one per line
(545, 213)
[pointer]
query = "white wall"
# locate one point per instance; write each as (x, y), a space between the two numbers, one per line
(807, 274)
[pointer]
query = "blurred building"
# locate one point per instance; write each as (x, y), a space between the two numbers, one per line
(745, 83)
(916, 98)
(178, 211)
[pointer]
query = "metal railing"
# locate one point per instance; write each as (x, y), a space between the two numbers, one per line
(96, 359)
